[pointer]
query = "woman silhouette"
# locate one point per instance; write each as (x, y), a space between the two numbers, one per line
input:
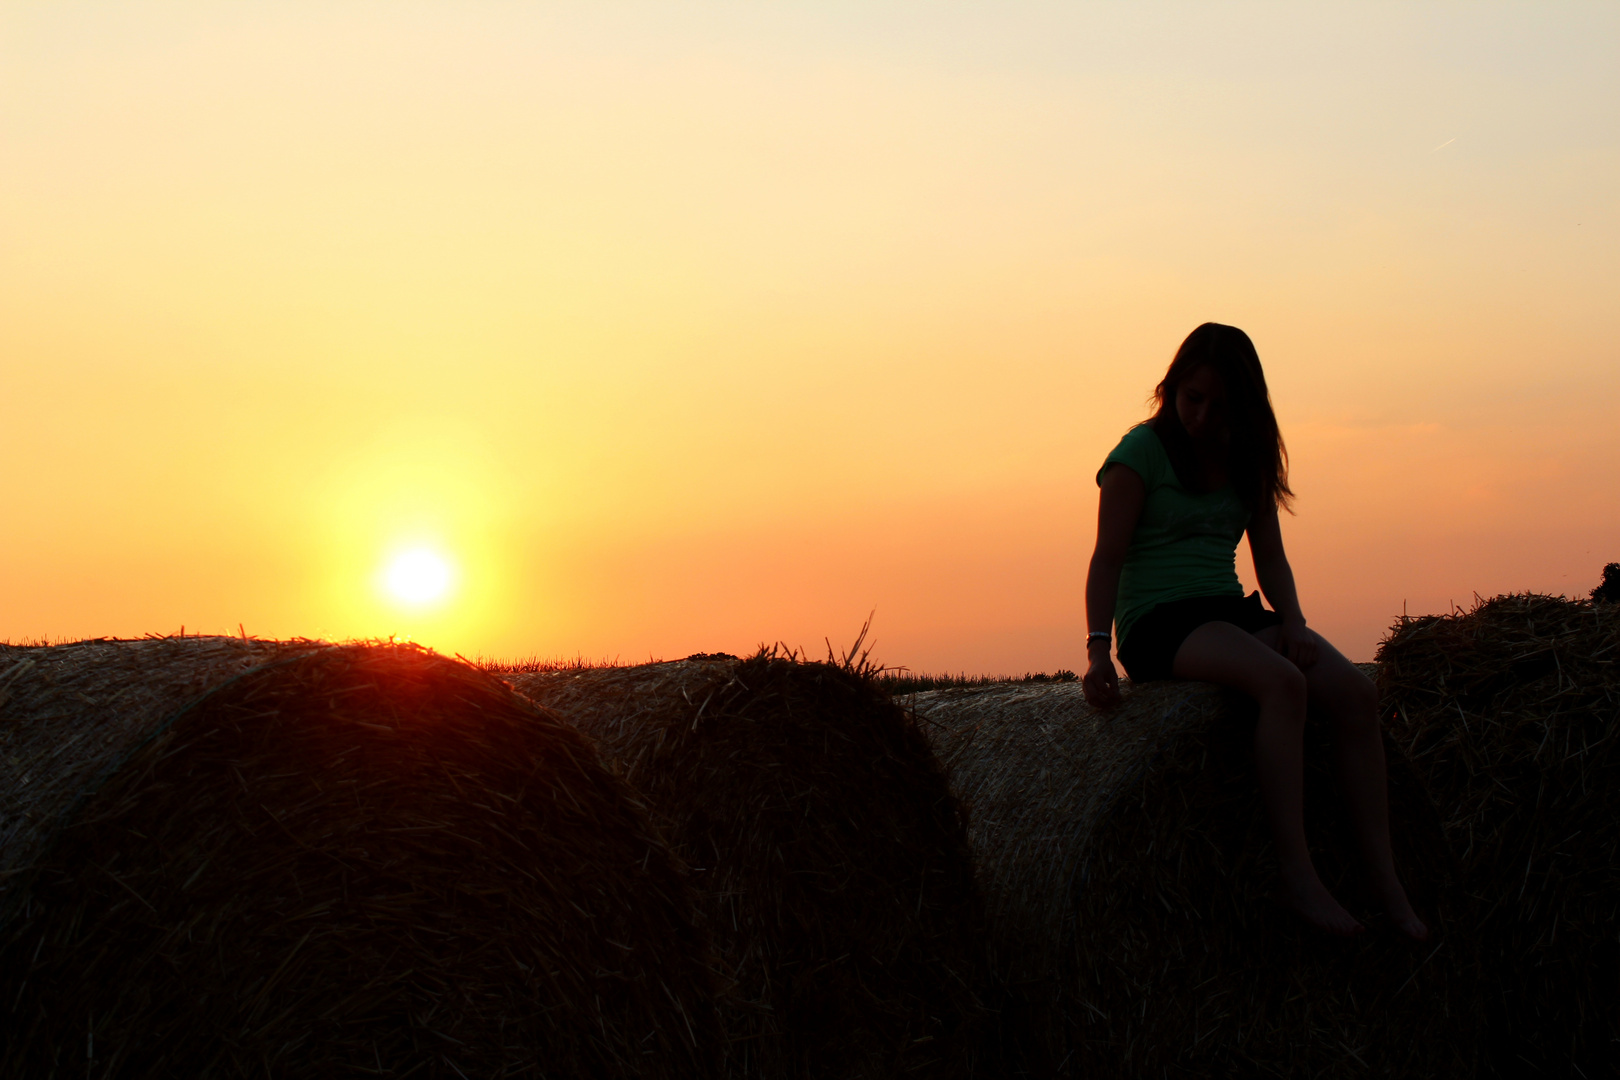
(1177, 494)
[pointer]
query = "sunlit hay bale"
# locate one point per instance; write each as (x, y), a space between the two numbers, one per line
(829, 855)
(1512, 712)
(235, 859)
(1127, 869)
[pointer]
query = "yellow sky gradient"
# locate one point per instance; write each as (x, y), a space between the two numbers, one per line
(689, 327)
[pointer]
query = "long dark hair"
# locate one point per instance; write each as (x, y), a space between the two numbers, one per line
(1258, 461)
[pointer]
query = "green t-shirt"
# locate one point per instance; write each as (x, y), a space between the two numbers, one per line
(1185, 544)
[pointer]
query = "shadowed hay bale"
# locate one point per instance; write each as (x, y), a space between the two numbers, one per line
(1512, 712)
(226, 858)
(1126, 865)
(829, 856)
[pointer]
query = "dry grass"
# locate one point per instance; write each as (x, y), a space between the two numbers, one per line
(899, 681)
(1512, 711)
(1126, 867)
(227, 858)
(829, 855)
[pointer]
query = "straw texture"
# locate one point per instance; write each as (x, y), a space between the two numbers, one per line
(1126, 865)
(830, 858)
(227, 858)
(1512, 711)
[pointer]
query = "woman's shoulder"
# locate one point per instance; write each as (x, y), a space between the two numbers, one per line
(1144, 436)
(1142, 441)
(1141, 451)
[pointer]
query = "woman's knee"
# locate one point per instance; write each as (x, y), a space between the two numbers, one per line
(1285, 686)
(1364, 696)
(1347, 695)
(1355, 725)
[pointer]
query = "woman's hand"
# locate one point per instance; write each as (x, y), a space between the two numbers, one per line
(1296, 641)
(1119, 506)
(1101, 682)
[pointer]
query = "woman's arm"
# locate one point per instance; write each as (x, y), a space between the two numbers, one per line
(1119, 507)
(1277, 582)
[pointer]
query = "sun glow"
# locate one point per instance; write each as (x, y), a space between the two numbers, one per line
(418, 577)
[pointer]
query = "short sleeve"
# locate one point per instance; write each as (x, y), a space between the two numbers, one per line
(1143, 452)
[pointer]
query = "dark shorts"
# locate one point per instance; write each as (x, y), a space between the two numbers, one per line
(1150, 650)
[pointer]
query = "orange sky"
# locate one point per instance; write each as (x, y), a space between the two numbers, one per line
(681, 328)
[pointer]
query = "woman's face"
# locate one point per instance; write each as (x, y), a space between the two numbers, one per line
(1201, 405)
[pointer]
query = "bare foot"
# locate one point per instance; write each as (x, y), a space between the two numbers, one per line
(1306, 896)
(1400, 912)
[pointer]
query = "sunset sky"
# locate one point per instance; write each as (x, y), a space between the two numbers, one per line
(686, 327)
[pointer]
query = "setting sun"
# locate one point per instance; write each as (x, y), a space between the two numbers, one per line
(418, 577)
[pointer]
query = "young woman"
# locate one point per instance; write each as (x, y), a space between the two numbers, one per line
(1177, 494)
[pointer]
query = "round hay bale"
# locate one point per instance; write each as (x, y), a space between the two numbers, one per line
(830, 859)
(226, 858)
(1126, 864)
(1512, 712)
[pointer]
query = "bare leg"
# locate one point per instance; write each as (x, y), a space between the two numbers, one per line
(1222, 653)
(1349, 701)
